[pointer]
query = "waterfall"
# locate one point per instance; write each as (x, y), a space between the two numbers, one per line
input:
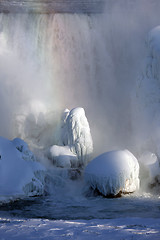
(49, 62)
(54, 63)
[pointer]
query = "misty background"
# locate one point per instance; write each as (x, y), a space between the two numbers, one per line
(49, 62)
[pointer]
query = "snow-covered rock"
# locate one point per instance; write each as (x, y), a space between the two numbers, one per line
(64, 129)
(19, 174)
(75, 133)
(61, 156)
(149, 170)
(113, 173)
(22, 147)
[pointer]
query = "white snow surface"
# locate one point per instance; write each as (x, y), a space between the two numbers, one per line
(62, 156)
(113, 172)
(75, 133)
(120, 228)
(19, 174)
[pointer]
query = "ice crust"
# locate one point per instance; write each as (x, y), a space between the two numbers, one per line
(75, 133)
(20, 174)
(113, 172)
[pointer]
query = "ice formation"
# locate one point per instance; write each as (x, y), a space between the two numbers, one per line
(19, 173)
(61, 156)
(75, 133)
(113, 173)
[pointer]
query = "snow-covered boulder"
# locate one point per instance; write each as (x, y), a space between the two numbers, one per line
(61, 156)
(64, 128)
(113, 173)
(19, 174)
(23, 148)
(75, 133)
(149, 170)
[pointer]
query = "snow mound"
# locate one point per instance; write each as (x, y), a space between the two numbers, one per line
(113, 173)
(61, 156)
(75, 133)
(149, 170)
(19, 174)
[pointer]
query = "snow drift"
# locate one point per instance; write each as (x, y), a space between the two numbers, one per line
(20, 174)
(113, 173)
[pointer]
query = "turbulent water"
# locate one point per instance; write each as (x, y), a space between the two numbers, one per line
(73, 205)
(86, 209)
(89, 58)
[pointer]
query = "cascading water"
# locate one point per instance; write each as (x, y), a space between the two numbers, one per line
(59, 61)
(49, 62)
(62, 63)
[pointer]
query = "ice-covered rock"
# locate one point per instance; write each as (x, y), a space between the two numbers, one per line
(62, 156)
(23, 148)
(149, 170)
(19, 174)
(64, 130)
(113, 173)
(75, 133)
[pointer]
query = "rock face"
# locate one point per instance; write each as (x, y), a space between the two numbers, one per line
(20, 174)
(113, 173)
(75, 133)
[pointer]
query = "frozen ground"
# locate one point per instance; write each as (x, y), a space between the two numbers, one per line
(120, 228)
